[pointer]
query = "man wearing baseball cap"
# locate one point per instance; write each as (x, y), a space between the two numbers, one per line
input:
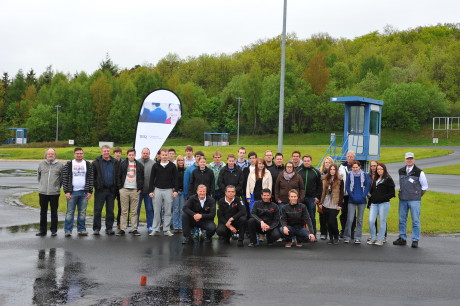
(413, 185)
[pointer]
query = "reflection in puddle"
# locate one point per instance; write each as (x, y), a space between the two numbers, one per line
(175, 296)
(18, 172)
(189, 275)
(52, 286)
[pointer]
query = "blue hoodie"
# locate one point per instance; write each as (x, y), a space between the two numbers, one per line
(360, 189)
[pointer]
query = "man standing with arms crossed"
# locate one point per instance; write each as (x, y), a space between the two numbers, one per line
(163, 188)
(413, 185)
(105, 170)
(49, 176)
(77, 181)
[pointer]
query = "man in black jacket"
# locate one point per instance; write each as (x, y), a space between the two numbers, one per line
(199, 211)
(163, 188)
(231, 174)
(130, 183)
(231, 216)
(313, 187)
(294, 217)
(265, 219)
(77, 181)
(105, 171)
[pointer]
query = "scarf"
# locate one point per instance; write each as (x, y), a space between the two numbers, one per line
(352, 178)
(288, 176)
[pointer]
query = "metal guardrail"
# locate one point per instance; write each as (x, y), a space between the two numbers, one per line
(445, 124)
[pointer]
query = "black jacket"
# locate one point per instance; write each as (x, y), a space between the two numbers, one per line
(99, 175)
(267, 212)
(193, 207)
(67, 178)
(382, 192)
(313, 186)
(231, 177)
(235, 210)
(296, 216)
(198, 177)
(124, 170)
(163, 177)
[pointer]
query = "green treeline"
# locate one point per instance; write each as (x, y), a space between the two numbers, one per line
(416, 73)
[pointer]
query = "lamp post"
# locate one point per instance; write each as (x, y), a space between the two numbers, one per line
(238, 130)
(57, 107)
(281, 109)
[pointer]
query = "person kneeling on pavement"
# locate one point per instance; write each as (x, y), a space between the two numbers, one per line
(199, 211)
(294, 217)
(231, 216)
(264, 219)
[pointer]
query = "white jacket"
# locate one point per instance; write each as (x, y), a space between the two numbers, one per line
(266, 182)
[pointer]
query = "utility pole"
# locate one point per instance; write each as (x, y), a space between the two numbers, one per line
(57, 107)
(281, 109)
(238, 131)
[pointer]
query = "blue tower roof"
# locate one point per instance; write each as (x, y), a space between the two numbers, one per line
(356, 99)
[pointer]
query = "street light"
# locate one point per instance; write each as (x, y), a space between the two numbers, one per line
(238, 131)
(281, 109)
(57, 107)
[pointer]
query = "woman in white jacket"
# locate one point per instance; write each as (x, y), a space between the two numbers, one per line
(258, 179)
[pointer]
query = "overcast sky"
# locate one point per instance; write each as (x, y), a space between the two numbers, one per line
(76, 35)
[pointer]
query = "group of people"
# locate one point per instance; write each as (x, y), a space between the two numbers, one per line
(261, 198)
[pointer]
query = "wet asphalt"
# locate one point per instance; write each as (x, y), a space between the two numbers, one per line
(106, 270)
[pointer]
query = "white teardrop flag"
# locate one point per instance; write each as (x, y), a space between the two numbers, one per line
(159, 114)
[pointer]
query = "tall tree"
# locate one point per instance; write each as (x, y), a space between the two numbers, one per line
(317, 73)
(101, 94)
(108, 65)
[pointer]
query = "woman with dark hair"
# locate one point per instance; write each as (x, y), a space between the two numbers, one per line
(382, 190)
(331, 201)
(294, 217)
(373, 176)
(358, 186)
(323, 170)
(259, 178)
(287, 180)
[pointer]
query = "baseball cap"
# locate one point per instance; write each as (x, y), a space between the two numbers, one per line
(409, 155)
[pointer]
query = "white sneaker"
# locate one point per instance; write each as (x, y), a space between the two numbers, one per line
(168, 233)
(371, 241)
(378, 242)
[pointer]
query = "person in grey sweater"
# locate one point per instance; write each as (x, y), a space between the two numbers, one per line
(144, 195)
(49, 176)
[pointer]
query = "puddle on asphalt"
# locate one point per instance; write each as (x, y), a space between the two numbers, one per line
(174, 296)
(18, 172)
(54, 285)
(195, 274)
(26, 228)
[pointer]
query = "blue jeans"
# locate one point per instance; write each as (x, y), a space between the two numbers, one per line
(350, 218)
(78, 199)
(178, 204)
(148, 209)
(310, 203)
(300, 234)
(414, 207)
(380, 210)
